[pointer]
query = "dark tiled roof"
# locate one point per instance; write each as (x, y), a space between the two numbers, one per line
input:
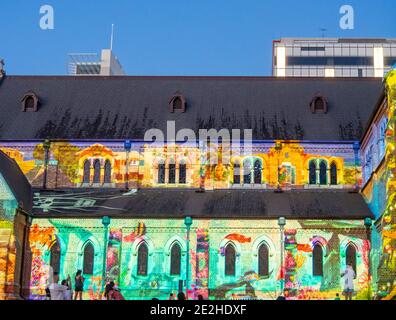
(168, 203)
(124, 107)
(16, 181)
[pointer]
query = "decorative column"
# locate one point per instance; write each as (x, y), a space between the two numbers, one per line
(47, 146)
(188, 222)
(106, 222)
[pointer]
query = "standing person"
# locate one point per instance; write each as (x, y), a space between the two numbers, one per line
(337, 297)
(68, 293)
(349, 275)
(181, 296)
(57, 290)
(171, 296)
(115, 294)
(109, 287)
(78, 285)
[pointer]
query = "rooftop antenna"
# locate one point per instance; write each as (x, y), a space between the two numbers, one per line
(323, 30)
(112, 37)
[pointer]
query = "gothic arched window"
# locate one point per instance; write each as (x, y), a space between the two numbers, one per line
(172, 172)
(87, 168)
(175, 259)
(247, 171)
(312, 172)
(322, 172)
(317, 260)
(333, 173)
(237, 172)
(182, 172)
(161, 171)
(230, 260)
(263, 260)
(96, 177)
(350, 256)
(55, 255)
(257, 172)
(107, 172)
(142, 260)
(88, 260)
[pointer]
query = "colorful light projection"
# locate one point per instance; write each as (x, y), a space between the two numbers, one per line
(206, 258)
(386, 283)
(85, 164)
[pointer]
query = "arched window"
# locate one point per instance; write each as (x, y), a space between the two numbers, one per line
(161, 171)
(177, 103)
(317, 260)
(350, 256)
(55, 252)
(263, 260)
(107, 171)
(175, 259)
(142, 260)
(247, 171)
(172, 172)
(312, 172)
(237, 172)
(182, 172)
(230, 260)
(322, 172)
(29, 104)
(318, 104)
(257, 172)
(96, 177)
(88, 260)
(333, 173)
(87, 168)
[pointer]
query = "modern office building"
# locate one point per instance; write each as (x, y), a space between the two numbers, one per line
(333, 57)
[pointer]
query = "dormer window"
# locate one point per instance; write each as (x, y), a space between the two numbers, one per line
(177, 103)
(318, 104)
(30, 102)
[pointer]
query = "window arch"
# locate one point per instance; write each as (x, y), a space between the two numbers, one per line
(312, 172)
(263, 260)
(86, 174)
(247, 171)
(333, 173)
(161, 171)
(318, 104)
(55, 255)
(177, 103)
(350, 256)
(317, 260)
(230, 260)
(96, 177)
(107, 171)
(30, 102)
(88, 258)
(175, 259)
(257, 172)
(237, 172)
(322, 172)
(182, 172)
(142, 260)
(172, 172)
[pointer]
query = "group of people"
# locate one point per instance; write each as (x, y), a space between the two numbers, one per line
(64, 291)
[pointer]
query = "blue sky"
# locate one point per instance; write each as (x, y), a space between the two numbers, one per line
(177, 37)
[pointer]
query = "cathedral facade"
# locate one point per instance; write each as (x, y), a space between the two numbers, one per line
(285, 213)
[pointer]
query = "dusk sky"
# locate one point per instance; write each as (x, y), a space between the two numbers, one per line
(177, 37)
